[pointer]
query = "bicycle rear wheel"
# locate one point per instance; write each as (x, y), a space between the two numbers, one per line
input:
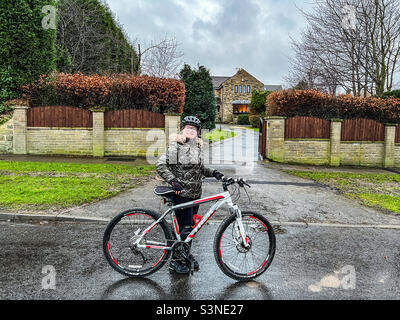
(233, 258)
(120, 235)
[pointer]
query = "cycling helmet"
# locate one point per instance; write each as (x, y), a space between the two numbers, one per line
(191, 120)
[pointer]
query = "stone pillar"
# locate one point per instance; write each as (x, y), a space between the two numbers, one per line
(20, 131)
(275, 138)
(98, 131)
(336, 133)
(172, 125)
(390, 136)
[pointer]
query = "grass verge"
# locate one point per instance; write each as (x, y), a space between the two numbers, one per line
(218, 135)
(374, 190)
(254, 129)
(53, 185)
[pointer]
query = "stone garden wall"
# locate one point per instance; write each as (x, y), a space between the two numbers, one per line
(332, 151)
(16, 137)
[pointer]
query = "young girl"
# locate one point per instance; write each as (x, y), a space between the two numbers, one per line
(182, 166)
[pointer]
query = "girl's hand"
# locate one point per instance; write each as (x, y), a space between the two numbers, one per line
(217, 175)
(177, 186)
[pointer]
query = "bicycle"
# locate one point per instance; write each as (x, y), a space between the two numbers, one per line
(138, 242)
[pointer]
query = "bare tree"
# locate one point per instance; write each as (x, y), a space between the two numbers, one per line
(355, 44)
(382, 41)
(309, 69)
(161, 58)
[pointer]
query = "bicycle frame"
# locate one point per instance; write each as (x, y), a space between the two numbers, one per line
(222, 198)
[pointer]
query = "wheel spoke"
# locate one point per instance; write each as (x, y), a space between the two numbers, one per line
(123, 253)
(241, 261)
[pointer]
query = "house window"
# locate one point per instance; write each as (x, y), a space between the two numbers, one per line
(248, 89)
(236, 89)
(240, 89)
(240, 108)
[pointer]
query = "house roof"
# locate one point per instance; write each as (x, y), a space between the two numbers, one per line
(241, 102)
(271, 87)
(218, 80)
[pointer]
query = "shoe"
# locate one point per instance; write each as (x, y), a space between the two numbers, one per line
(178, 266)
(191, 259)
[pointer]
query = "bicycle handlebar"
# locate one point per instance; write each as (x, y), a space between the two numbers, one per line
(228, 181)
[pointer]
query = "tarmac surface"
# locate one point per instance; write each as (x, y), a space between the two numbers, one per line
(314, 262)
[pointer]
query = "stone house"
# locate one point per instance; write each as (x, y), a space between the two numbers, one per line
(233, 94)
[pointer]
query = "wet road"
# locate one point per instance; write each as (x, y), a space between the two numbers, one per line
(318, 262)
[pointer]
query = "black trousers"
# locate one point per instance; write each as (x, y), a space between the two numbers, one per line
(184, 216)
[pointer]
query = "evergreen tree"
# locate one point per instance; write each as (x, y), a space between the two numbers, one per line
(200, 97)
(92, 40)
(27, 50)
(258, 100)
(64, 60)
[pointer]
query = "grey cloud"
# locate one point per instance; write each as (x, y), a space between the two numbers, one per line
(253, 34)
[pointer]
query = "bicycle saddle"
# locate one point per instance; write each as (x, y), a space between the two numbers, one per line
(164, 191)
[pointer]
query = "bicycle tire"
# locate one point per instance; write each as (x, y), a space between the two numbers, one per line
(111, 258)
(264, 264)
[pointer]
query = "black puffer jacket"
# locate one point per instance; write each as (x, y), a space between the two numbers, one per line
(184, 161)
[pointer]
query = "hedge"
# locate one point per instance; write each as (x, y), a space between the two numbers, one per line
(119, 91)
(254, 120)
(393, 93)
(243, 119)
(27, 50)
(291, 103)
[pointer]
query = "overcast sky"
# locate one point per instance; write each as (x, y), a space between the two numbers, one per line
(222, 35)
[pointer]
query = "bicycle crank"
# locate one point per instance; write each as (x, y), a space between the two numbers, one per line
(182, 250)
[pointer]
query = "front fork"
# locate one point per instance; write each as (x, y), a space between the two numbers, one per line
(240, 231)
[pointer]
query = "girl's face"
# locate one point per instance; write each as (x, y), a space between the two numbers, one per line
(190, 132)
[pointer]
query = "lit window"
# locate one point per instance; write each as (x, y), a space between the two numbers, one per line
(240, 108)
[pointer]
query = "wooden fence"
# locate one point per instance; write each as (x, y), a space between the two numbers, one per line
(307, 128)
(262, 138)
(72, 117)
(352, 129)
(362, 130)
(397, 139)
(59, 116)
(133, 118)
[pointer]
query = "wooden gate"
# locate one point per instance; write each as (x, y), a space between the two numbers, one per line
(262, 139)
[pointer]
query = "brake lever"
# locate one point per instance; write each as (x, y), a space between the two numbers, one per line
(245, 183)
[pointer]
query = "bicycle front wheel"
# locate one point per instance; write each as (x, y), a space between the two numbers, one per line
(240, 262)
(121, 235)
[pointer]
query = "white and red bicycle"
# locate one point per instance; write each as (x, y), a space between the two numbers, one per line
(138, 242)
